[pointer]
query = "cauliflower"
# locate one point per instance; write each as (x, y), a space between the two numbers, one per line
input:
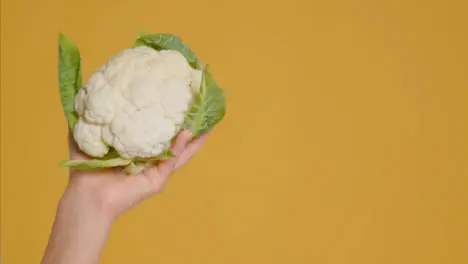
(132, 107)
(136, 103)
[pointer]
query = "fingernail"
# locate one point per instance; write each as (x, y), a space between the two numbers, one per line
(189, 133)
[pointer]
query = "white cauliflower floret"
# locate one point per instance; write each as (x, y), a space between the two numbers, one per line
(102, 104)
(196, 81)
(80, 101)
(88, 138)
(142, 134)
(136, 103)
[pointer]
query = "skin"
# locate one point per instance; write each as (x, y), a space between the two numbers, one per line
(92, 201)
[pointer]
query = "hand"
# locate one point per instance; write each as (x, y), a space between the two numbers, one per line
(93, 200)
(114, 192)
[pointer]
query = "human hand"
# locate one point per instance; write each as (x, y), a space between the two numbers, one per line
(113, 192)
(94, 199)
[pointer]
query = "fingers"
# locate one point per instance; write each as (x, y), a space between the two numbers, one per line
(184, 150)
(166, 167)
(190, 151)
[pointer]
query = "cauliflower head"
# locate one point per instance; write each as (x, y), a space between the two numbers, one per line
(136, 103)
(131, 108)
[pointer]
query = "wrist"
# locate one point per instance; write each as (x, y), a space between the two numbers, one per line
(85, 206)
(80, 230)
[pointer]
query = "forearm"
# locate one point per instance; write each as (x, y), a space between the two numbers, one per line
(93, 200)
(79, 233)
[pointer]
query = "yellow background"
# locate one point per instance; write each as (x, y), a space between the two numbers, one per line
(346, 139)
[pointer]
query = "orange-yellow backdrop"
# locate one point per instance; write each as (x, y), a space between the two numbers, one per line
(345, 139)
